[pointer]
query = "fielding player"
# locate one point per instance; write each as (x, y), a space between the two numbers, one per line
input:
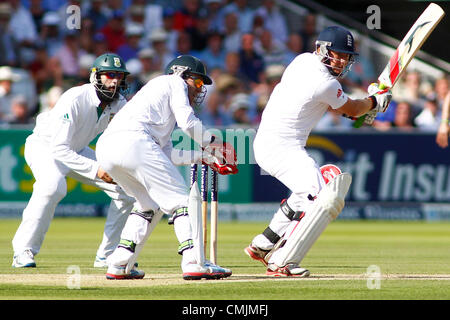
(59, 147)
(309, 87)
(136, 150)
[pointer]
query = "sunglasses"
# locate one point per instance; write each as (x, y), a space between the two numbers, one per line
(114, 75)
(198, 82)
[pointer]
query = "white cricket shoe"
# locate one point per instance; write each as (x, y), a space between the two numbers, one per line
(24, 260)
(119, 273)
(100, 262)
(289, 270)
(208, 271)
(257, 254)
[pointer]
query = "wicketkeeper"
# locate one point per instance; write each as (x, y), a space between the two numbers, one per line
(59, 148)
(136, 150)
(308, 88)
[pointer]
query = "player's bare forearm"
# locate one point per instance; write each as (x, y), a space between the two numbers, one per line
(356, 107)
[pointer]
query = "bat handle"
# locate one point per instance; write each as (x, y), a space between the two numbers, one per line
(360, 121)
(193, 173)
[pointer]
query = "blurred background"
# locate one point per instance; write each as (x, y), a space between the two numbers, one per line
(399, 172)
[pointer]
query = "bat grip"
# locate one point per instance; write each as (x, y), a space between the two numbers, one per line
(193, 173)
(204, 185)
(214, 191)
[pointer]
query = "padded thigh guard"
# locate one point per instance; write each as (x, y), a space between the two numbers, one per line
(328, 205)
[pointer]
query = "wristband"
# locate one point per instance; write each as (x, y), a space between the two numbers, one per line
(444, 121)
(374, 102)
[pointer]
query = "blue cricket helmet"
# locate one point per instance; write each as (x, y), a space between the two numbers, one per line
(337, 39)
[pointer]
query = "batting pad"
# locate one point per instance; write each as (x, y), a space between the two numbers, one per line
(327, 206)
(195, 217)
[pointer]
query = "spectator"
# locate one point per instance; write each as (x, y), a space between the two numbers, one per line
(308, 32)
(213, 56)
(215, 15)
(49, 98)
(7, 56)
(100, 44)
(44, 71)
(216, 113)
(7, 77)
(239, 109)
(233, 66)
(136, 15)
(50, 33)
(270, 49)
(274, 20)
(19, 111)
(184, 45)
(154, 14)
(158, 39)
(114, 31)
(232, 34)
(441, 89)
(134, 82)
(409, 91)
(172, 34)
(362, 73)
(37, 12)
(199, 33)
(188, 16)
(23, 31)
(430, 117)
(244, 13)
(98, 14)
(69, 54)
(294, 46)
(269, 79)
(131, 47)
(87, 32)
(443, 131)
(146, 57)
(334, 121)
(251, 63)
(403, 116)
(383, 121)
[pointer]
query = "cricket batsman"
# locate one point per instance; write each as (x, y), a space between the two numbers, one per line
(308, 88)
(136, 150)
(59, 148)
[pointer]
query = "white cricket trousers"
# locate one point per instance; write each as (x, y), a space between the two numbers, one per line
(142, 168)
(288, 162)
(50, 188)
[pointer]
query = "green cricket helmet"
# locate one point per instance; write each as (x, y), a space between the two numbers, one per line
(108, 62)
(185, 64)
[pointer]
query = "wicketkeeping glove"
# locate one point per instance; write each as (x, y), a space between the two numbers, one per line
(380, 97)
(221, 157)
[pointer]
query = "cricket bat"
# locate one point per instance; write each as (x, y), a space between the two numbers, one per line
(407, 49)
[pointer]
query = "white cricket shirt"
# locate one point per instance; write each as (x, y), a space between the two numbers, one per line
(155, 110)
(301, 98)
(72, 124)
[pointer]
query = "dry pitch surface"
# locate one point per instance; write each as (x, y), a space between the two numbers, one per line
(159, 280)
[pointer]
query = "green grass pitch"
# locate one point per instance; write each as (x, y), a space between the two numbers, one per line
(413, 259)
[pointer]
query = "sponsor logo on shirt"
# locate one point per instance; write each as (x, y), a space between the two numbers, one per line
(66, 118)
(339, 93)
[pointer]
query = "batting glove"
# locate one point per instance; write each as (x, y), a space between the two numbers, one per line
(381, 98)
(370, 117)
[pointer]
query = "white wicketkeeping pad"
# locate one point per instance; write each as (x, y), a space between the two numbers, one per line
(195, 217)
(327, 206)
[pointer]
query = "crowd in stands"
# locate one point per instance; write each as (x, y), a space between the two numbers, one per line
(245, 48)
